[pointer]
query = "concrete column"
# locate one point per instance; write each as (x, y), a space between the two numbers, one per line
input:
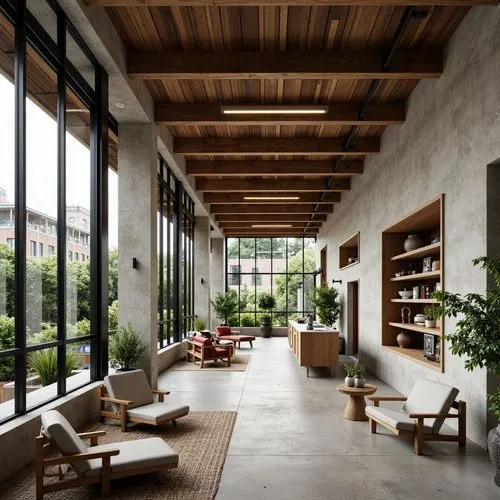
(202, 269)
(137, 226)
(217, 273)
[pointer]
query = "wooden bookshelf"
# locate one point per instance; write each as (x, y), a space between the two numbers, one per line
(427, 223)
(349, 249)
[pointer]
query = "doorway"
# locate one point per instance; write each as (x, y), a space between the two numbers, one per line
(352, 346)
(323, 266)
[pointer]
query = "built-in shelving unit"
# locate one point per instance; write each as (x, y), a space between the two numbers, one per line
(349, 252)
(410, 270)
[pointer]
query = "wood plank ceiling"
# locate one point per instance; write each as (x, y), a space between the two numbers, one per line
(194, 59)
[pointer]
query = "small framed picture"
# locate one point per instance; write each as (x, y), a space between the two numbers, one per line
(429, 345)
(437, 287)
(427, 265)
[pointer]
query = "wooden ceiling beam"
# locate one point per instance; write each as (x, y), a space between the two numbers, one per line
(250, 168)
(232, 185)
(270, 217)
(252, 65)
(338, 114)
(270, 209)
(264, 3)
(260, 146)
(216, 198)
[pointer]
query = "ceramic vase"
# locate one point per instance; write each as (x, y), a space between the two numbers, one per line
(494, 450)
(403, 339)
(349, 381)
(430, 323)
(359, 382)
(412, 242)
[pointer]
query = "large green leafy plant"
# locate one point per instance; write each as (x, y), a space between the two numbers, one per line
(477, 334)
(327, 304)
(125, 347)
(225, 305)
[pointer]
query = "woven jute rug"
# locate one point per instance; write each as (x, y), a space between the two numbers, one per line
(239, 363)
(201, 439)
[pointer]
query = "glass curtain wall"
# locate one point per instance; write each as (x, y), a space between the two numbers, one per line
(175, 258)
(282, 267)
(51, 155)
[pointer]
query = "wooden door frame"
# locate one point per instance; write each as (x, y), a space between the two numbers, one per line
(352, 340)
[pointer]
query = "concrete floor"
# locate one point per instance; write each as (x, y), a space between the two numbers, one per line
(291, 441)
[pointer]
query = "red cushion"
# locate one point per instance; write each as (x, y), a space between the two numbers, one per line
(222, 350)
(202, 340)
(223, 330)
(240, 338)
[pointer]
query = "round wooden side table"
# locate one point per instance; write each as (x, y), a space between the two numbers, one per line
(355, 409)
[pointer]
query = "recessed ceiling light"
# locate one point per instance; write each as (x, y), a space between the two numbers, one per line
(271, 225)
(267, 198)
(275, 110)
(120, 105)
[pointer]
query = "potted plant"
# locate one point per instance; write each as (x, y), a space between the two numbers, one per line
(266, 303)
(125, 348)
(199, 324)
(359, 375)
(225, 305)
(327, 304)
(477, 337)
(431, 315)
(350, 372)
(44, 364)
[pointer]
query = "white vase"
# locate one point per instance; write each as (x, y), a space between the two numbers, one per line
(430, 323)
(349, 381)
(412, 242)
(359, 382)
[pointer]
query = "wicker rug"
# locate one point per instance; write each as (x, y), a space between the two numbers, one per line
(239, 363)
(201, 439)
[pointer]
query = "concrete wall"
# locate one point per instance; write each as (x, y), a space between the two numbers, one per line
(217, 271)
(168, 356)
(451, 134)
(202, 269)
(17, 438)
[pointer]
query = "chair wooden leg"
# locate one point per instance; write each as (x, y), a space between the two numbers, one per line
(251, 345)
(373, 426)
(102, 392)
(106, 476)
(39, 468)
(174, 423)
(462, 424)
(201, 363)
(418, 437)
(229, 361)
(123, 418)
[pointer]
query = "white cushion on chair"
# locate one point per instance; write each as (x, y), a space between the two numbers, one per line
(397, 419)
(158, 413)
(64, 436)
(131, 386)
(430, 397)
(136, 454)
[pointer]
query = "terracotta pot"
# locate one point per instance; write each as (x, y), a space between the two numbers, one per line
(403, 339)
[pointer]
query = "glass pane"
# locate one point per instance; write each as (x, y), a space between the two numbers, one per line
(308, 287)
(7, 388)
(295, 255)
(232, 250)
(77, 365)
(309, 255)
(44, 14)
(41, 376)
(247, 299)
(247, 252)
(78, 165)
(41, 198)
(79, 60)
(279, 255)
(294, 283)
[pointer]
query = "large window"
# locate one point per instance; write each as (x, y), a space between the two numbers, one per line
(175, 258)
(283, 267)
(52, 146)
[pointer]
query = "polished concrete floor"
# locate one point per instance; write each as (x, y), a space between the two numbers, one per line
(291, 441)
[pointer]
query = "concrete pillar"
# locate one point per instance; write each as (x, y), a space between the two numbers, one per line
(137, 226)
(202, 269)
(217, 271)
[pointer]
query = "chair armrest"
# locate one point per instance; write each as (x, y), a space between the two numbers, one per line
(376, 399)
(84, 435)
(69, 459)
(161, 394)
(116, 401)
(434, 415)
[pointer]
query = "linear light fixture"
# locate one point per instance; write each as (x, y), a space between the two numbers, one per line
(274, 110)
(271, 225)
(268, 198)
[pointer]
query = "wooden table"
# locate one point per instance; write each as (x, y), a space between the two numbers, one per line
(355, 409)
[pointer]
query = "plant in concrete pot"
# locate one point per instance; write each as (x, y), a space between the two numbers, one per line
(350, 372)
(359, 375)
(477, 338)
(327, 304)
(266, 303)
(126, 348)
(431, 314)
(225, 305)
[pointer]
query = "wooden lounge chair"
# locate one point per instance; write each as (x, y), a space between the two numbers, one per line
(204, 349)
(422, 415)
(132, 400)
(225, 333)
(94, 464)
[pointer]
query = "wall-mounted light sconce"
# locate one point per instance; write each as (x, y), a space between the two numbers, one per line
(134, 263)
(336, 281)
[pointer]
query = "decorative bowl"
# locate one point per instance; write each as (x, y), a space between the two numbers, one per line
(405, 294)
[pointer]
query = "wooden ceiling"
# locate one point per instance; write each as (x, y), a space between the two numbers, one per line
(361, 59)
